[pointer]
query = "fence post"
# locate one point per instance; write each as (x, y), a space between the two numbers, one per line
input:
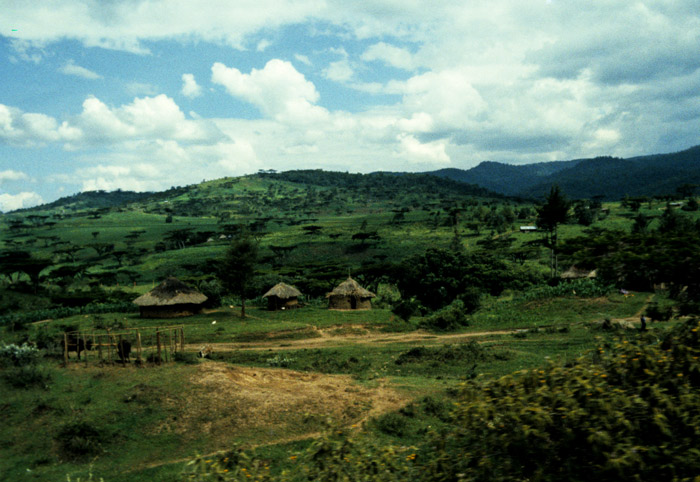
(65, 349)
(85, 349)
(182, 338)
(158, 343)
(138, 347)
(120, 350)
(99, 347)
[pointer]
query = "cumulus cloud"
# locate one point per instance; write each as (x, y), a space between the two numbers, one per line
(278, 90)
(11, 202)
(31, 129)
(126, 25)
(70, 68)
(412, 150)
(144, 118)
(391, 55)
(11, 175)
(190, 88)
(303, 59)
(339, 71)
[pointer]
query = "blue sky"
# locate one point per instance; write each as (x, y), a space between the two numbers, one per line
(148, 94)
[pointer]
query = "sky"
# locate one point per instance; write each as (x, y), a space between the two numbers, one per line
(147, 94)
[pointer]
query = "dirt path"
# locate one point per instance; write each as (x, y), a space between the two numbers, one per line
(328, 338)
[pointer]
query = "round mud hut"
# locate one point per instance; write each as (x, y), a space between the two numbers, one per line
(170, 299)
(349, 295)
(282, 297)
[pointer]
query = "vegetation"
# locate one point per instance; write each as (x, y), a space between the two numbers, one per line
(475, 345)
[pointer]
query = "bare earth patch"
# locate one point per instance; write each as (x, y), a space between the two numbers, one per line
(229, 402)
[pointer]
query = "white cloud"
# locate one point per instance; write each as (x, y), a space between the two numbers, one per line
(141, 88)
(263, 45)
(125, 25)
(144, 118)
(303, 59)
(11, 175)
(278, 90)
(31, 129)
(412, 150)
(190, 88)
(339, 71)
(391, 55)
(10, 202)
(70, 68)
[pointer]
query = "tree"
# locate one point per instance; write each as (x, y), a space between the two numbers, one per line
(237, 269)
(553, 212)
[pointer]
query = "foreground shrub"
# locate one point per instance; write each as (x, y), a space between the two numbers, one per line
(451, 317)
(632, 414)
(78, 440)
(20, 367)
(27, 376)
(18, 356)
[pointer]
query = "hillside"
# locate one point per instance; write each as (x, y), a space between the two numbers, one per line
(608, 177)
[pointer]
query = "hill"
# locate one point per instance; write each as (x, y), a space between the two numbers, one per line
(607, 177)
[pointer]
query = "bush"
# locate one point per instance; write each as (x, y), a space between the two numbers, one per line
(581, 288)
(18, 356)
(658, 313)
(406, 309)
(451, 317)
(79, 440)
(625, 412)
(392, 423)
(26, 376)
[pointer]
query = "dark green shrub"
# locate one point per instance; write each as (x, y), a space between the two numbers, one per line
(26, 376)
(627, 412)
(451, 317)
(405, 309)
(79, 440)
(392, 423)
(186, 358)
(658, 313)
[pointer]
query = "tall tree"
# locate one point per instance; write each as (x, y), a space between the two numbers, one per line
(237, 269)
(550, 215)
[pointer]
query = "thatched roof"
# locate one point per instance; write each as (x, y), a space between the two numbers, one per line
(172, 291)
(283, 291)
(577, 273)
(350, 287)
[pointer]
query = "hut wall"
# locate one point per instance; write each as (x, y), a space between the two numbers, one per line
(342, 302)
(339, 302)
(170, 311)
(275, 303)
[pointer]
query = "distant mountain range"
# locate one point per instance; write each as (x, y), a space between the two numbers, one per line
(608, 177)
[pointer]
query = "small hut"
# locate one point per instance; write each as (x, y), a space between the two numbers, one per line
(170, 299)
(282, 297)
(349, 295)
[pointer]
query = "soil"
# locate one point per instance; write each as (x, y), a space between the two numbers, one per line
(228, 403)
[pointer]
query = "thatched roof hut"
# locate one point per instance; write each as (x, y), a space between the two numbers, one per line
(577, 273)
(349, 295)
(170, 299)
(282, 297)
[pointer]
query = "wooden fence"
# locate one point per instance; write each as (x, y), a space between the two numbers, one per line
(143, 345)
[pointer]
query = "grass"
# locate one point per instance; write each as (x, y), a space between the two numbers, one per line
(137, 411)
